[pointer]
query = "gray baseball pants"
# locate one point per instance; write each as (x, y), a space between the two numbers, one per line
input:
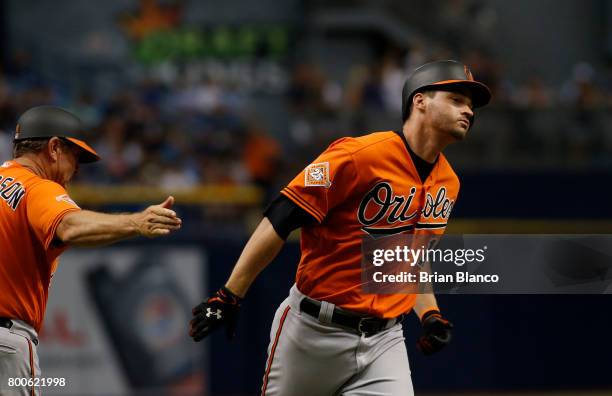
(18, 359)
(310, 358)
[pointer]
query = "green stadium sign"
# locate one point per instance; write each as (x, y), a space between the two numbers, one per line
(220, 42)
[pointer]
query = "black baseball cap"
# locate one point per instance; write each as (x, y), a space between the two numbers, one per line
(49, 121)
(443, 75)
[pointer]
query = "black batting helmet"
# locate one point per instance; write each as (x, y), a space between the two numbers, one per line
(446, 73)
(50, 121)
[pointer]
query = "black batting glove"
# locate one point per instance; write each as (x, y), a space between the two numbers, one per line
(436, 332)
(219, 310)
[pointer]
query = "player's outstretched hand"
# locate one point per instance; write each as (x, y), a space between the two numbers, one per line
(436, 332)
(158, 220)
(220, 309)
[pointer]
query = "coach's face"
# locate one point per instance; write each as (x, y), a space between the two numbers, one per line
(450, 112)
(64, 158)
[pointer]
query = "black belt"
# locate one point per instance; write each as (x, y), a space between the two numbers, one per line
(367, 325)
(6, 322)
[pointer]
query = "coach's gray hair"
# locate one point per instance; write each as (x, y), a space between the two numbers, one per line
(27, 146)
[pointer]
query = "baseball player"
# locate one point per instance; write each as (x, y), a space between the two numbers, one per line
(329, 337)
(38, 221)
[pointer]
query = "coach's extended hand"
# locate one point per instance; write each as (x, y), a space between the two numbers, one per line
(436, 332)
(220, 309)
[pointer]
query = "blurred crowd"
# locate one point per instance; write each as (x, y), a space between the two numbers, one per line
(196, 132)
(150, 133)
(528, 124)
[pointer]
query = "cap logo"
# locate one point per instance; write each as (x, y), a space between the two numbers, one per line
(468, 73)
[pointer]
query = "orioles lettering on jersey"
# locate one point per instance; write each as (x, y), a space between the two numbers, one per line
(438, 208)
(396, 209)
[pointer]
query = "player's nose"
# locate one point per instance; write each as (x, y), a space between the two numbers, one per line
(468, 112)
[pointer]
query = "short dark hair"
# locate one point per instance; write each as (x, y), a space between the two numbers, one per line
(27, 146)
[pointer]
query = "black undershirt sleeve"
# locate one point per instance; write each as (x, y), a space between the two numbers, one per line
(286, 216)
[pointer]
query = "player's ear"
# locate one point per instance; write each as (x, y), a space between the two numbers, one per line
(418, 101)
(54, 148)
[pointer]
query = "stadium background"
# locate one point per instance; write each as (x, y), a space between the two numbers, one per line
(221, 103)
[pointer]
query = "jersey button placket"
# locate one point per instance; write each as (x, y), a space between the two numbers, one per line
(422, 193)
(428, 184)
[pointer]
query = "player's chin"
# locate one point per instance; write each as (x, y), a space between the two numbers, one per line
(459, 133)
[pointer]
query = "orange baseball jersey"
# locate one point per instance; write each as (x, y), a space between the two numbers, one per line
(30, 210)
(360, 186)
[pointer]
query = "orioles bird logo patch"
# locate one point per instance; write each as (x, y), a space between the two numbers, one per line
(317, 175)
